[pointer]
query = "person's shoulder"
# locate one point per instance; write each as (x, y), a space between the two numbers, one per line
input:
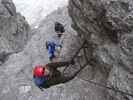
(51, 38)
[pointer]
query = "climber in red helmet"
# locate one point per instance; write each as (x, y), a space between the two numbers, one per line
(48, 75)
(38, 70)
(39, 75)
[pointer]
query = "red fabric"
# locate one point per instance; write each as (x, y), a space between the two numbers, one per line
(38, 70)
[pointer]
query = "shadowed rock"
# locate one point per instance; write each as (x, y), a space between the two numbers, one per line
(107, 26)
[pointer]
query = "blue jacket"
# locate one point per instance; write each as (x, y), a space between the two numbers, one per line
(51, 48)
(52, 43)
(39, 81)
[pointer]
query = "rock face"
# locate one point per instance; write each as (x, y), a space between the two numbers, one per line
(107, 26)
(16, 73)
(14, 30)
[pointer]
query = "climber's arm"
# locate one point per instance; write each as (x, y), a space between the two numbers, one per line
(62, 78)
(58, 64)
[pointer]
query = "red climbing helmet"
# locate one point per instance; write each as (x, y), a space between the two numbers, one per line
(38, 70)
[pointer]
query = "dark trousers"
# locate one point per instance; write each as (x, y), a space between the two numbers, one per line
(57, 77)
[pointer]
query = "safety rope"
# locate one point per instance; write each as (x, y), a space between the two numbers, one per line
(76, 54)
(104, 86)
(93, 82)
(107, 87)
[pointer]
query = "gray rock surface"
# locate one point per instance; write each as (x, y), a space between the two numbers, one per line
(14, 29)
(16, 73)
(107, 26)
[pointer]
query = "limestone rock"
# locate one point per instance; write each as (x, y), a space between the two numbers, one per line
(14, 29)
(16, 77)
(107, 26)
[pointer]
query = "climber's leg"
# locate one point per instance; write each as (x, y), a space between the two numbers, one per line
(50, 53)
(59, 64)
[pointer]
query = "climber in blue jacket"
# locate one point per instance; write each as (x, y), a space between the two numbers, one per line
(54, 41)
(51, 48)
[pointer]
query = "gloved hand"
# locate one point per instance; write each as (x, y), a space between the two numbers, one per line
(72, 62)
(60, 46)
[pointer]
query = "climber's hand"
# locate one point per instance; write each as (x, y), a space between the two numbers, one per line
(41, 88)
(72, 62)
